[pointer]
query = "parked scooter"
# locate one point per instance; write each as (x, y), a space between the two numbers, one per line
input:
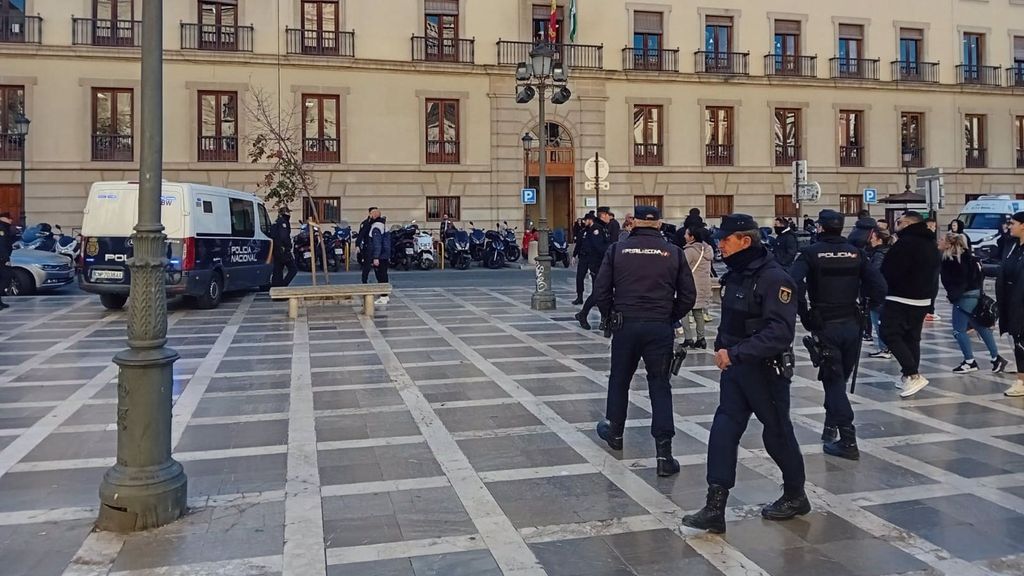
(477, 243)
(403, 245)
(456, 249)
(494, 253)
(424, 256)
(558, 248)
(38, 237)
(67, 245)
(338, 241)
(512, 251)
(304, 251)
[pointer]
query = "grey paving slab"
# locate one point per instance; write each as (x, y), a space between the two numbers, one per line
(466, 418)
(235, 475)
(68, 446)
(562, 500)
(249, 383)
(590, 410)
(349, 377)
(968, 415)
(377, 463)
(967, 458)
(470, 563)
(560, 385)
(520, 451)
(363, 426)
(637, 442)
(49, 489)
(359, 398)
(444, 372)
(242, 405)
(41, 549)
(239, 435)
(394, 516)
(457, 391)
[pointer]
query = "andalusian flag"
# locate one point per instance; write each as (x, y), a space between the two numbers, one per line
(553, 24)
(572, 21)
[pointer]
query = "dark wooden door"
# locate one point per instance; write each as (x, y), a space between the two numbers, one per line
(10, 200)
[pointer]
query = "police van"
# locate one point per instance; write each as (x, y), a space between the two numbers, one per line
(982, 220)
(218, 240)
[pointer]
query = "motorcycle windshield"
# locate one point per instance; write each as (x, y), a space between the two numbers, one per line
(558, 236)
(461, 236)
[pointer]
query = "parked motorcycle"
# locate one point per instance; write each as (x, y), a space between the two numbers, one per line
(304, 252)
(494, 253)
(69, 246)
(512, 251)
(558, 248)
(477, 243)
(38, 237)
(403, 245)
(424, 256)
(456, 249)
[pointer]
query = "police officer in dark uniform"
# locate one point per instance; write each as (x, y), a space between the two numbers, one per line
(8, 236)
(830, 275)
(647, 282)
(598, 240)
(578, 252)
(786, 243)
(754, 353)
(283, 256)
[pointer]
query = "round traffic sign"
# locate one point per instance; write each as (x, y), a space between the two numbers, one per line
(596, 168)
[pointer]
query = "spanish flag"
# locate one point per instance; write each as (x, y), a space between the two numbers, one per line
(553, 24)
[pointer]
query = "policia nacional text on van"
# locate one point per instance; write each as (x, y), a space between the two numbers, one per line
(643, 287)
(218, 240)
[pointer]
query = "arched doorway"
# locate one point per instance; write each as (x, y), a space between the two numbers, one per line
(561, 168)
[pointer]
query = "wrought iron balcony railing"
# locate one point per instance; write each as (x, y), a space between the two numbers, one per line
(20, 29)
(99, 32)
(216, 38)
(433, 49)
(572, 55)
(856, 68)
(973, 74)
(722, 62)
(791, 65)
(320, 42)
(650, 60)
(648, 154)
(912, 71)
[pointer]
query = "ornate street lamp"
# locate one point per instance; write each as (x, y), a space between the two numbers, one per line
(527, 146)
(546, 76)
(21, 125)
(908, 157)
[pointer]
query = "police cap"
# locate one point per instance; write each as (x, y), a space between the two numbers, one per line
(830, 219)
(734, 223)
(589, 215)
(647, 213)
(604, 209)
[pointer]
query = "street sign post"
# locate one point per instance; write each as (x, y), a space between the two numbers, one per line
(932, 185)
(529, 195)
(596, 170)
(870, 196)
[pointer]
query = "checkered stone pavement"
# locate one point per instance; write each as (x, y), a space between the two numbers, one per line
(453, 435)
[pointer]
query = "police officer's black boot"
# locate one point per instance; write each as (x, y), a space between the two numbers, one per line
(829, 434)
(578, 301)
(667, 465)
(700, 344)
(611, 433)
(787, 507)
(582, 319)
(846, 445)
(687, 343)
(712, 516)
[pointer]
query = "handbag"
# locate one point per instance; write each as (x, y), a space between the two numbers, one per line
(986, 312)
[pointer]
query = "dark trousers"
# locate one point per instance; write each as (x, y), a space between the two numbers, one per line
(1018, 350)
(280, 264)
(900, 328)
(591, 299)
(5, 278)
(367, 266)
(381, 272)
(652, 342)
(754, 389)
(581, 274)
(843, 339)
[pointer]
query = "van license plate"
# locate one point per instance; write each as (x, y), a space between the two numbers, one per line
(339, 250)
(108, 274)
(410, 251)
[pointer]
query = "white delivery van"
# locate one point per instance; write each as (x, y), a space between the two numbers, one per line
(217, 240)
(982, 219)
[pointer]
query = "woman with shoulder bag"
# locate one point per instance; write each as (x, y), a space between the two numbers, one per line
(699, 256)
(963, 280)
(1010, 295)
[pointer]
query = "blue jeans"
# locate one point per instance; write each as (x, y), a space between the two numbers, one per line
(962, 310)
(875, 314)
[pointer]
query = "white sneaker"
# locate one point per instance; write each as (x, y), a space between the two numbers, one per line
(382, 301)
(966, 367)
(914, 384)
(902, 382)
(932, 318)
(1015, 391)
(707, 316)
(881, 354)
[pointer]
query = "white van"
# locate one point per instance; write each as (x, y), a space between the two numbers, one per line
(982, 220)
(217, 240)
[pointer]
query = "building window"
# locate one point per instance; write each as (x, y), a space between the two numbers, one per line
(974, 138)
(851, 133)
(656, 201)
(974, 57)
(716, 206)
(218, 25)
(327, 209)
(647, 40)
(647, 139)
(851, 42)
(912, 139)
(320, 129)
(718, 136)
(784, 206)
(1018, 134)
(438, 206)
(113, 22)
(787, 47)
(441, 30)
(218, 127)
(542, 22)
(442, 132)
(1017, 72)
(113, 122)
(911, 46)
(851, 204)
(787, 136)
(718, 43)
(12, 104)
(320, 15)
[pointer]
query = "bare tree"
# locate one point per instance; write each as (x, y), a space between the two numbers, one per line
(275, 138)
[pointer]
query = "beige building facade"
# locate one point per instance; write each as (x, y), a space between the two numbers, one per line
(410, 104)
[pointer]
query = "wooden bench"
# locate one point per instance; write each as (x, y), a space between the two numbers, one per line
(330, 292)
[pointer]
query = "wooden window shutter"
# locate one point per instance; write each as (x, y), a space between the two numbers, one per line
(1018, 47)
(787, 27)
(718, 20)
(442, 7)
(912, 33)
(852, 31)
(647, 22)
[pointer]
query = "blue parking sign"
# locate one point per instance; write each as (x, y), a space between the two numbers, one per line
(870, 196)
(529, 195)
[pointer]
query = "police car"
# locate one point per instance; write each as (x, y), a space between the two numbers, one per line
(217, 240)
(982, 220)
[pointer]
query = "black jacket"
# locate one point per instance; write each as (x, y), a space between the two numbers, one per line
(614, 229)
(282, 236)
(1010, 291)
(959, 276)
(643, 277)
(830, 276)
(859, 235)
(693, 220)
(598, 239)
(8, 237)
(911, 269)
(876, 256)
(786, 247)
(578, 241)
